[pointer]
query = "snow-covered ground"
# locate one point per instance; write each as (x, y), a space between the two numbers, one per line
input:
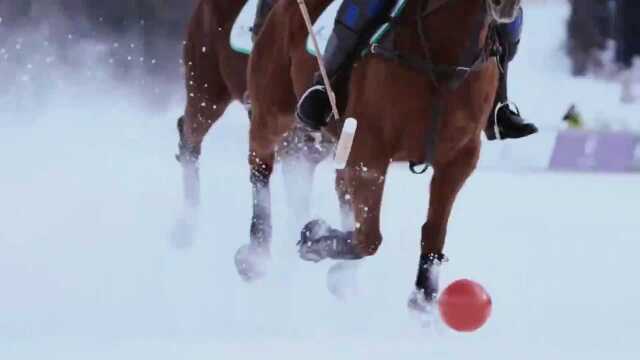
(90, 190)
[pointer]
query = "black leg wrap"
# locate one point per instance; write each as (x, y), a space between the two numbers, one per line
(428, 274)
(318, 241)
(187, 154)
(261, 220)
(260, 232)
(423, 299)
(260, 176)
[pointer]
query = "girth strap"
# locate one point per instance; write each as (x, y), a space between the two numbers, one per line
(451, 75)
(431, 136)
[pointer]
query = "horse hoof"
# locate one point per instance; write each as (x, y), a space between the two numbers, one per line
(419, 304)
(342, 279)
(318, 241)
(183, 233)
(314, 230)
(311, 232)
(425, 312)
(251, 262)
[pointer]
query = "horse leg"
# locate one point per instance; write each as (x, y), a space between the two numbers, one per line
(344, 200)
(251, 259)
(342, 276)
(202, 111)
(300, 154)
(365, 184)
(447, 181)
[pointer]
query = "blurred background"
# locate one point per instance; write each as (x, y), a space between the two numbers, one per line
(155, 28)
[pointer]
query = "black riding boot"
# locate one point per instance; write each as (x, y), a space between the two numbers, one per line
(427, 282)
(505, 121)
(355, 22)
(264, 8)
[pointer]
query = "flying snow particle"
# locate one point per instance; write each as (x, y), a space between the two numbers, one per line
(204, 49)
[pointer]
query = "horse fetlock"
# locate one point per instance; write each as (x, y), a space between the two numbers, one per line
(427, 279)
(260, 175)
(421, 303)
(188, 154)
(424, 297)
(425, 311)
(260, 231)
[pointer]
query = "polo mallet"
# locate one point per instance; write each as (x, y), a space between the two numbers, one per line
(343, 149)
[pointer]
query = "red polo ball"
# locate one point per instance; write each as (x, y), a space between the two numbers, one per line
(465, 305)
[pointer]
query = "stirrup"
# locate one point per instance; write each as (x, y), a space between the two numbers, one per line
(511, 106)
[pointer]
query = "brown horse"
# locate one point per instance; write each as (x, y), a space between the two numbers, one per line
(214, 78)
(446, 63)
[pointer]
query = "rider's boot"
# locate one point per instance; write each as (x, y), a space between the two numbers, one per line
(356, 20)
(505, 121)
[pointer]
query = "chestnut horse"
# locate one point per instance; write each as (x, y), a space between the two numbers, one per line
(447, 63)
(215, 75)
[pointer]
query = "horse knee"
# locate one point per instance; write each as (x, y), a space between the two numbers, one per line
(261, 169)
